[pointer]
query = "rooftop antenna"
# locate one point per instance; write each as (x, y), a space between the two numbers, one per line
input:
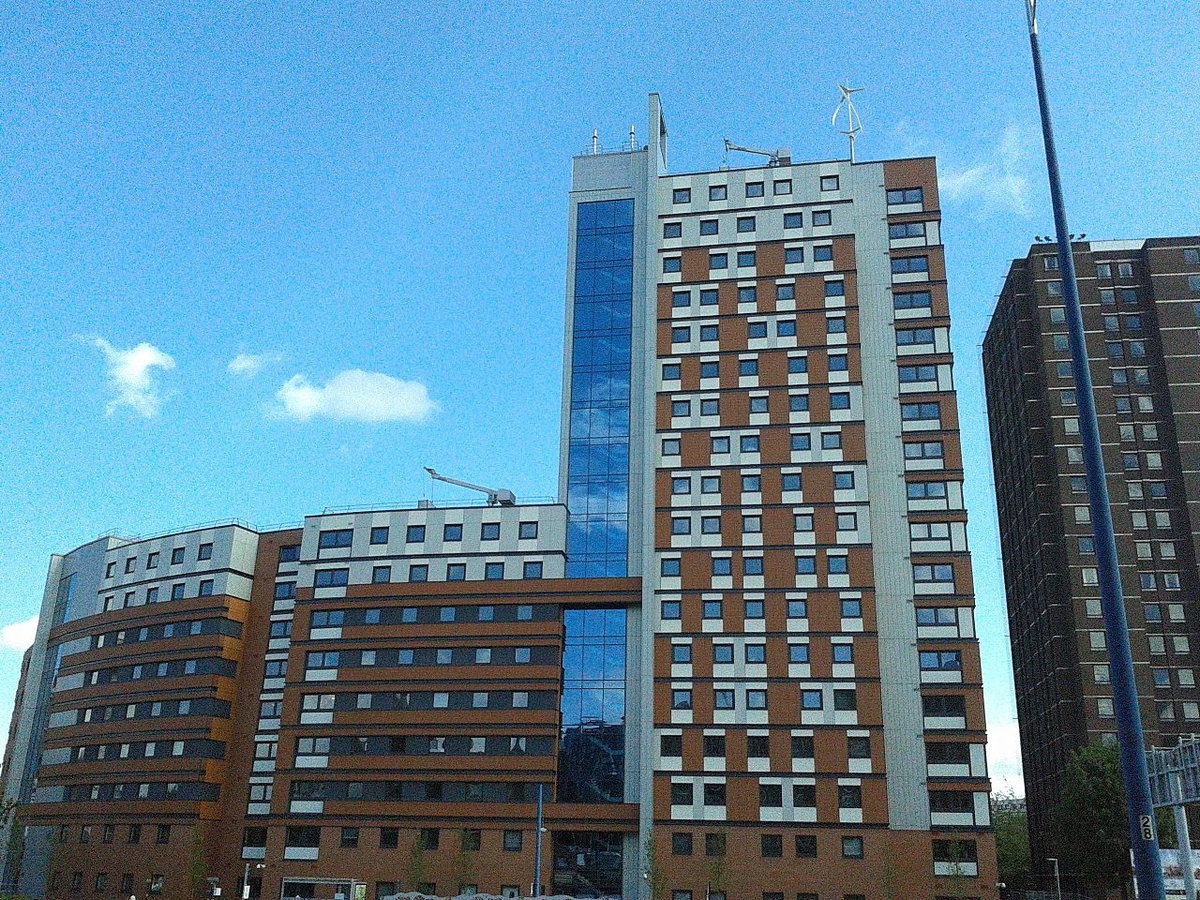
(632, 137)
(853, 122)
(595, 140)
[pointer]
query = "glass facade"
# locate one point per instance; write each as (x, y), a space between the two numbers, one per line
(591, 753)
(598, 451)
(587, 864)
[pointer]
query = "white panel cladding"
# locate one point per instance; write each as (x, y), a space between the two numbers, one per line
(433, 545)
(904, 750)
(227, 547)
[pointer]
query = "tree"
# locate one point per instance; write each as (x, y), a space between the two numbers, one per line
(1011, 823)
(718, 870)
(464, 863)
(414, 869)
(1092, 834)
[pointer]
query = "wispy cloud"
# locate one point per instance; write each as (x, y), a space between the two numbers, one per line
(247, 365)
(130, 376)
(355, 395)
(998, 183)
(1004, 757)
(19, 635)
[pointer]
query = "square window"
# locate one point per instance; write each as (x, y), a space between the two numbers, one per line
(415, 534)
(381, 574)
(718, 261)
(681, 844)
(177, 556)
(489, 531)
(745, 258)
(821, 217)
(493, 571)
(708, 226)
(754, 188)
(679, 195)
(793, 255)
(456, 572)
(671, 264)
(418, 572)
(830, 182)
(717, 192)
(852, 847)
(793, 220)
(380, 535)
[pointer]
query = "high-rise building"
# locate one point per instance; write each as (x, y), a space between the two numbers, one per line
(1141, 311)
(737, 660)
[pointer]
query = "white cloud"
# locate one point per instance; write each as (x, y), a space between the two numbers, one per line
(1004, 758)
(357, 396)
(129, 376)
(247, 365)
(19, 635)
(1000, 183)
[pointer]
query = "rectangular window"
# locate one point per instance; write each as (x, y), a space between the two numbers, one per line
(754, 188)
(718, 192)
(793, 220)
(672, 229)
(681, 195)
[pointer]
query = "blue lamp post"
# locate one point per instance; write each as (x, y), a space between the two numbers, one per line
(1147, 869)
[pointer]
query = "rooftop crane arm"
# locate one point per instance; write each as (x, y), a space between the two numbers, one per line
(495, 496)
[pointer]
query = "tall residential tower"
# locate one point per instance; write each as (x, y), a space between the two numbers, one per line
(738, 659)
(1141, 312)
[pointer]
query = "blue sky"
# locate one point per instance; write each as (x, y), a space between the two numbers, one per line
(365, 205)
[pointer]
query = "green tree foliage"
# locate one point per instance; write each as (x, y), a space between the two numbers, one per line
(1092, 834)
(656, 878)
(1012, 839)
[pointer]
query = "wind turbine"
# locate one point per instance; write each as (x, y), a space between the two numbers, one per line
(853, 122)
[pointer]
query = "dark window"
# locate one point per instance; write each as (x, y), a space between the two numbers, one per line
(681, 195)
(349, 837)
(512, 840)
(204, 552)
(772, 845)
(177, 556)
(714, 843)
(290, 553)
(708, 226)
(340, 538)
(415, 534)
(389, 838)
(163, 835)
(806, 846)
(379, 535)
(672, 229)
(681, 843)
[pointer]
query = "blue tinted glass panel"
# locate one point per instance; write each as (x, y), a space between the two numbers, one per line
(598, 451)
(591, 754)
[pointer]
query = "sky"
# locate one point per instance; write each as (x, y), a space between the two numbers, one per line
(258, 260)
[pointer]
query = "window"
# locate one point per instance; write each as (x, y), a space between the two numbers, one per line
(793, 220)
(754, 188)
(812, 700)
(152, 558)
(714, 795)
(852, 847)
(708, 332)
(905, 196)
(851, 608)
(177, 556)
(916, 300)
(332, 539)
(723, 699)
(163, 835)
(671, 264)
(745, 224)
(783, 187)
(904, 265)
(829, 182)
(456, 572)
(680, 195)
(718, 192)
(331, 578)
(493, 571)
(835, 325)
(672, 230)
(681, 654)
(681, 844)
(718, 261)
(418, 572)
(532, 569)
(389, 838)
(745, 259)
(772, 844)
(681, 699)
(381, 574)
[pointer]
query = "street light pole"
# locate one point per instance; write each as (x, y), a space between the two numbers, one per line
(1147, 868)
(1057, 880)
